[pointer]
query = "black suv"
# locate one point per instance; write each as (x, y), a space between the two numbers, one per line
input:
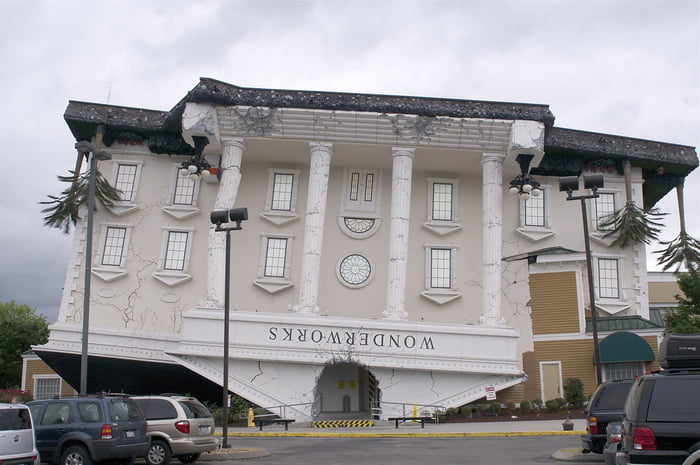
(84, 430)
(662, 413)
(606, 406)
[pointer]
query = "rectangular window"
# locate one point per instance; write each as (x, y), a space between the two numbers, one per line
(283, 185)
(275, 257)
(47, 388)
(604, 208)
(608, 281)
(534, 210)
(369, 187)
(440, 268)
(114, 246)
(184, 190)
(354, 185)
(176, 251)
(622, 370)
(442, 201)
(126, 180)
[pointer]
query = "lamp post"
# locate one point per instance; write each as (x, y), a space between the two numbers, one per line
(523, 185)
(570, 184)
(219, 218)
(85, 148)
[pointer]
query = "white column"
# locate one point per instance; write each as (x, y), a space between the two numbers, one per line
(492, 195)
(402, 171)
(313, 228)
(225, 199)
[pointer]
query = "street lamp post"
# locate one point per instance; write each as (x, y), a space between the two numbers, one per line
(86, 147)
(219, 218)
(570, 184)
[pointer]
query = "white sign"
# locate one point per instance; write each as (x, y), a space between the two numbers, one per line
(490, 393)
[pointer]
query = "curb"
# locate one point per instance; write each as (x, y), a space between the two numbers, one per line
(338, 434)
(233, 453)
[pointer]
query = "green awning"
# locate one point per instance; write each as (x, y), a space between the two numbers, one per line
(624, 347)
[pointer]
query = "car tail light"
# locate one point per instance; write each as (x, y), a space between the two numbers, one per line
(643, 439)
(593, 425)
(614, 438)
(106, 432)
(183, 426)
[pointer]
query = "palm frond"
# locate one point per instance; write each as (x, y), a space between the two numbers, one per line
(64, 210)
(682, 250)
(633, 225)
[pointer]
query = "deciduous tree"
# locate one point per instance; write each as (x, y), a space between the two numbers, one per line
(21, 328)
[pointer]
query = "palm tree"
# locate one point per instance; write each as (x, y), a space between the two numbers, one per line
(683, 249)
(64, 209)
(631, 224)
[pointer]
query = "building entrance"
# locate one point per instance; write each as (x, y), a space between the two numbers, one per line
(345, 391)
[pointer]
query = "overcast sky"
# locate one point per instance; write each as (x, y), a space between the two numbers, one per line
(629, 68)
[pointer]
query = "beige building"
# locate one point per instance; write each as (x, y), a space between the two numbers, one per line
(383, 262)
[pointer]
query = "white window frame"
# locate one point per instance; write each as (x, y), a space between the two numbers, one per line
(280, 217)
(440, 295)
(610, 305)
(123, 207)
(174, 277)
(599, 235)
(181, 211)
(631, 369)
(111, 272)
(615, 280)
(442, 227)
(38, 378)
(532, 232)
(360, 211)
(273, 284)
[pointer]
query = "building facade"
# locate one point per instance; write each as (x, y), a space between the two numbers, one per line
(383, 262)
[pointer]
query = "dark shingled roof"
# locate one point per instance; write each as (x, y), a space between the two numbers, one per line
(566, 150)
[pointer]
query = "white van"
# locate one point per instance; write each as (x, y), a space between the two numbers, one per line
(17, 443)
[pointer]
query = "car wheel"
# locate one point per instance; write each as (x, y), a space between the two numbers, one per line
(158, 453)
(75, 455)
(189, 458)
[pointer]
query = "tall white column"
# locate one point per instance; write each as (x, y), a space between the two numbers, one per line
(492, 195)
(313, 228)
(401, 174)
(225, 199)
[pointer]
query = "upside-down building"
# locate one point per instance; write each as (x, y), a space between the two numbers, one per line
(383, 261)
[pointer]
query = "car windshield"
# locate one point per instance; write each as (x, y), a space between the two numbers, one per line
(613, 396)
(124, 410)
(15, 419)
(193, 409)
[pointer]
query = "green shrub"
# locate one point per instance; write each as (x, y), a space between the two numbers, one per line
(525, 407)
(510, 406)
(537, 403)
(481, 408)
(552, 405)
(468, 410)
(573, 392)
(495, 408)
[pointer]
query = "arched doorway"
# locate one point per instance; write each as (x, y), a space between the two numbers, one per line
(345, 391)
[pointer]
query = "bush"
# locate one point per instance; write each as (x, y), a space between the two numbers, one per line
(525, 407)
(481, 408)
(6, 395)
(573, 392)
(468, 410)
(537, 403)
(552, 405)
(510, 406)
(495, 408)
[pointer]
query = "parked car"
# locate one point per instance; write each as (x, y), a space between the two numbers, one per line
(179, 427)
(606, 405)
(662, 413)
(89, 429)
(17, 444)
(612, 444)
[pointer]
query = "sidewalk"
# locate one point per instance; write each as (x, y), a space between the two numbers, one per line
(386, 429)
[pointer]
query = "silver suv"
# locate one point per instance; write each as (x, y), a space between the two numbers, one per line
(17, 444)
(179, 427)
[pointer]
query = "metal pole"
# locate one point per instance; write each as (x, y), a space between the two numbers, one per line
(591, 291)
(88, 275)
(224, 444)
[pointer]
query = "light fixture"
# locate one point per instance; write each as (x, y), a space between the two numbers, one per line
(592, 182)
(523, 185)
(197, 167)
(219, 218)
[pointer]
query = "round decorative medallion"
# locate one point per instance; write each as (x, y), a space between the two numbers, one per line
(355, 269)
